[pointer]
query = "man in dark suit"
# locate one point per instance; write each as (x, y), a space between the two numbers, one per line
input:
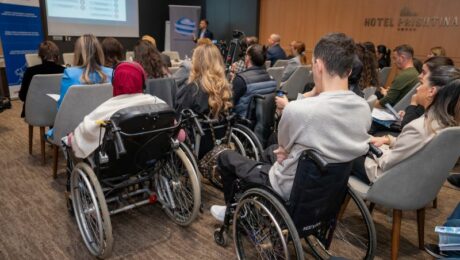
(203, 32)
(49, 53)
(275, 52)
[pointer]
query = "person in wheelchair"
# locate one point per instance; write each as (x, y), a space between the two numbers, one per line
(334, 123)
(128, 82)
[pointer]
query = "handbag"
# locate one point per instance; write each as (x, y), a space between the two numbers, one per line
(208, 164)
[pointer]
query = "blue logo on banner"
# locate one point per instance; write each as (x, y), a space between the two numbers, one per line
(185, 26)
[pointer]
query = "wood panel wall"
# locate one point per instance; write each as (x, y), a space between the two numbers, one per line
(308, 20)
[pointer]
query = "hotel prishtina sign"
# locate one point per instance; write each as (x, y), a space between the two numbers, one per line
(409, 20)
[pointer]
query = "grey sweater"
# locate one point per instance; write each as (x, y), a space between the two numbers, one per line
(333, 123)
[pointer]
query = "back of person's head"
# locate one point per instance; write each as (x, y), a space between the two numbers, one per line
(88, 54)
(369, 74)
(128, 78)
(337, 51)
(418, 65)
(251, 40)
(438, 51)
(150, 59)
(256, 55)
(370, 46)
(113, 51)
(203, 41)
(209, 73)
(385, 52)
(299, 47)
(445, 108)
(276, 38)
(48, 51)
(149, 39)
(382, 49)
(405, 50)
(437, 61)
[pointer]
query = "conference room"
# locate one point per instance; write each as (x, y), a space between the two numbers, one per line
(236, 129)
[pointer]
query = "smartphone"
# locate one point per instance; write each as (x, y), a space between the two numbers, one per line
(280, 93)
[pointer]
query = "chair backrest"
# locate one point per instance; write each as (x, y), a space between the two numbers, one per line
(264, 117)
(276, 73)
(267, 64)
(369, 91)
(173, 69)
(174, 55)
(281, 63)
(163, 88)
(371, 101)
(33, 59)
(40, 108)
(383, 75)
(296, 83)
(68, 59)
(405, 101)
(79, 101)
(416, 181)
(129, 55)
(317, 192)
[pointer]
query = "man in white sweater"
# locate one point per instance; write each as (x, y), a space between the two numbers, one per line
(334, 122)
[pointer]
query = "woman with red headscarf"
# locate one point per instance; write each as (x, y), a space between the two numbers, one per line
(128, 81)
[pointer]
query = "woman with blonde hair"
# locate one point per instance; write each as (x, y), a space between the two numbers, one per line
(437, 51)
(89, 69)
(207, 91)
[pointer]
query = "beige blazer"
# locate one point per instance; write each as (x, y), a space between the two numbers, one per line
(413, 137)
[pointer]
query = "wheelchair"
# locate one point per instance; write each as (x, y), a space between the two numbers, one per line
(205, 133)
(138, 162)
(322, 214)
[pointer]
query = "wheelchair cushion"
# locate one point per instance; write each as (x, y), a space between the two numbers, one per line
(316, 195)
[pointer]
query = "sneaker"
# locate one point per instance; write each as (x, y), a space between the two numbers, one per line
(433, 250)
(218, 212)
(454, 180)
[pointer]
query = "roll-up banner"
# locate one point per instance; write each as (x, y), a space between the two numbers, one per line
(183, 26)
(21, 33)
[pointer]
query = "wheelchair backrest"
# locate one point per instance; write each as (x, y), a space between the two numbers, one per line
(243, 108)
(205, 143)
(318, 192)
(146, 132)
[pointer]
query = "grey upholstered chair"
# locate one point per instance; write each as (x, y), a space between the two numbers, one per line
(164, 88)
(369, 91)
(32, 59)
(276, 73)
(413, 183)
(383, 75)
(174, 55)
(296, 83)
(405, 101)
(268, 63)
(173, 69)
(40, 108)
(78, 102)
(281, 63)
(371, 101)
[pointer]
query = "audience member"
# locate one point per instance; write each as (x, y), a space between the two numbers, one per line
(443, 112)
(298, 50)
(240, 65)
(48, 52)
(383, 55)
(165, 58)
(149, 57)
(89, 69)
(255, 72)
(437, 51)
(370, 47)
(204, 32)
(113, 52)
(274, 51)
(128, 81)
(369, 76)
(302, 125)
(404, 81)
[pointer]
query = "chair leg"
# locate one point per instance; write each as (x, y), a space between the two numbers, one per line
(55, 160)
(31, 137)
(435, 203)
(42, 143)
(371, 207)
(344, 206)
(421, 228)
(395, 233)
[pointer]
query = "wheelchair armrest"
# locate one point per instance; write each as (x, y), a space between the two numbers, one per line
(258, 96)
(316, 157)
(375, 150)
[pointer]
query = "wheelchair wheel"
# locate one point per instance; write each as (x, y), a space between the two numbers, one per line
(178, 187)
(353, 236)
(262, 228)
(246, 142)
(91, 211)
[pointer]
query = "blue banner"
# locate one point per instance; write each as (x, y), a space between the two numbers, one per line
(183, 26)
(20, 33)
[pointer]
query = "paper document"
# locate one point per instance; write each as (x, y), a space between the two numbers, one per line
(382, 114)
(55, 97)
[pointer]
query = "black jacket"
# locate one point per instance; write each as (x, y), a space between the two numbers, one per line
(252, 75)
(46, 67)
(275, 53)
(207, 34)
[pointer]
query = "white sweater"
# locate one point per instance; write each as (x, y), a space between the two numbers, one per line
(332, 123)
(86, 135)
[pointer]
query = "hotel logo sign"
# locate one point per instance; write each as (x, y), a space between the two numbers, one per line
(409, 20)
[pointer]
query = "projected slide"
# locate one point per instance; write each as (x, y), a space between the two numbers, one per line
(106, 10)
